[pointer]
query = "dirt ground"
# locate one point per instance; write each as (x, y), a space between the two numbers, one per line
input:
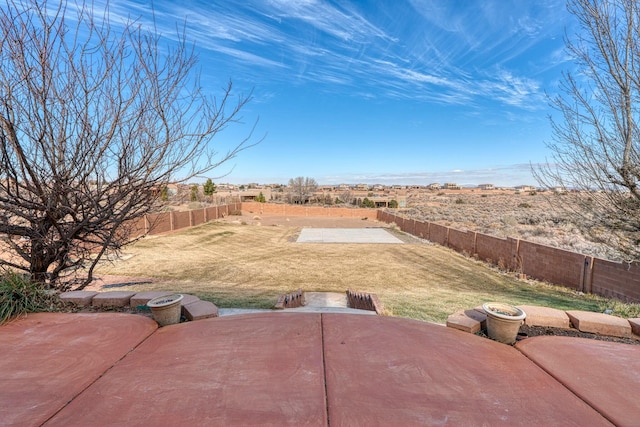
(534, 331)
(303, 221)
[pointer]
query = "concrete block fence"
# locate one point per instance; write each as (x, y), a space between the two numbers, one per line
(570, 269)
(576, 271)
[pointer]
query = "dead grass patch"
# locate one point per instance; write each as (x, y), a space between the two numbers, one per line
(249, 266)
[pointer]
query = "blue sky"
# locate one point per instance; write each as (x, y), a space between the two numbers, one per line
(391, 92)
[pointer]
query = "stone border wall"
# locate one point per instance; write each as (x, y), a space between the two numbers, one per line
(573, 270)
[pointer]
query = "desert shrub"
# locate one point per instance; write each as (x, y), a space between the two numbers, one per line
(525, 205)
(194, 205)
(367, 203)
(236, 213)
(19, 295)
(459, 201)
(509, 221)
(393, 204)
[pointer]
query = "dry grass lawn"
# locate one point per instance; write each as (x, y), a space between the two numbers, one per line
(240, 265)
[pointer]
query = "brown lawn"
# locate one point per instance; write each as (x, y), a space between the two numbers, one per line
(249, 261)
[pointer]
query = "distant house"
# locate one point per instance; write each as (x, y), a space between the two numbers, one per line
(486, 187)
(434, 186)
(450, 186)
(525, 188)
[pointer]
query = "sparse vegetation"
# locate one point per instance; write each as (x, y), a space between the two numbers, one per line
(523, 216)
(368, 203)
(19, 295)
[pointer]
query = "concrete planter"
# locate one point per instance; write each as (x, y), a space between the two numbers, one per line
(503, 321)
(166, 310)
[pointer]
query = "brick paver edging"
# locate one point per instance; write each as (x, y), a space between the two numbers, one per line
(192, 307)
(364, 301)
(292, 300)
(474, 320)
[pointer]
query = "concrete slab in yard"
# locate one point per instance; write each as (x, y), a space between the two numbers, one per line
(346, 235)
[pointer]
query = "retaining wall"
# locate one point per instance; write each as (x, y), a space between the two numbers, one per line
(558, 266)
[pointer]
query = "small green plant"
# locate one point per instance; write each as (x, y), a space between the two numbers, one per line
(209, 187)
(393, 204)
(19, 295)
(367, 203)
(261, 198)
(459, 201)
(525, 205)
(194, 193)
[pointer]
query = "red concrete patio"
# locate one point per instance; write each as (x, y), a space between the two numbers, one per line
(302, 369)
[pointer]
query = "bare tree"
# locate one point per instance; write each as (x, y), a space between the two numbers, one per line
(595, 144)
(95, 119)
(346, 197)
(301, 189)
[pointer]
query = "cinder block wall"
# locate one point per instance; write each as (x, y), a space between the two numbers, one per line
(558, 266)
(496, 250)
(617, 280)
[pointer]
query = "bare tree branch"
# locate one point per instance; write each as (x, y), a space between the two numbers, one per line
(596, 140)
(94, 120)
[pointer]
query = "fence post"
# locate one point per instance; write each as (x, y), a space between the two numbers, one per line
(171, 220)
(587, 274)
(474, 245)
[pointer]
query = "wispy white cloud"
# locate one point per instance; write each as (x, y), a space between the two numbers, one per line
(446, 52)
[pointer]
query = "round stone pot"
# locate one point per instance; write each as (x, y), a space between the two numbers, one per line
(166, 310)
(503, 321)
